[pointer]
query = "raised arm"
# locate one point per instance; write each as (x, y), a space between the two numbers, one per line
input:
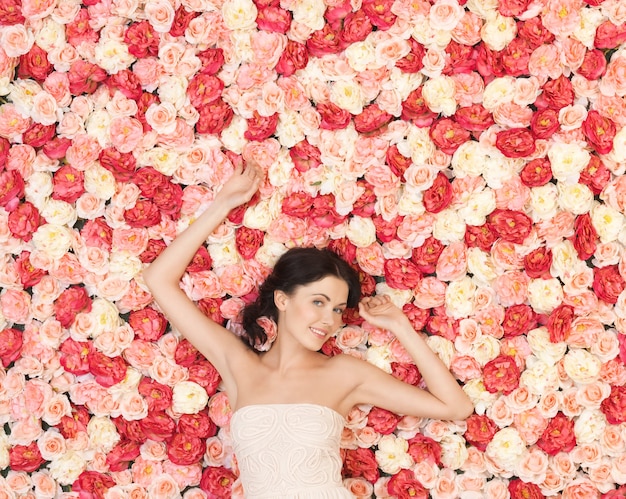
(163, 276)
(444, 398)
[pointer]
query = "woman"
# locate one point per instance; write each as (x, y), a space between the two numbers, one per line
(289, 401)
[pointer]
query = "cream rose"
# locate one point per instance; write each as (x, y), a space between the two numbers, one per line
(543, 202)
(38, 188)
(498, 31)
(418, 145)
(347, 95)
(478, 206)
(453, 451)
(567, 160)
(543, 348)
(499, 91)
(99, 181)
(239, 14)
(105, 316)
(97, 125)
(575, 198)
(361, 231)
(67, 468)
(112, 55)
(188, 397)
(470, 159)
(459, 297)
(361, 55)
(392, 455)
(581, 365)
(589, 426)
(439, 93)
(484, 349)
(506, 448)
(102, 433)
(310, 13)
(481, 265)
(59, 212)
(53, 240)
(449, 227)
(544, 295)
(607, 221)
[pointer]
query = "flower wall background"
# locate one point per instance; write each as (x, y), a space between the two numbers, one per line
(467, 157)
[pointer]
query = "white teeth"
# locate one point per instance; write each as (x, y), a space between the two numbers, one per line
(318, 332)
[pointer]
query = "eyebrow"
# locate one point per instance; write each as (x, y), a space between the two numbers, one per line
(328, 298)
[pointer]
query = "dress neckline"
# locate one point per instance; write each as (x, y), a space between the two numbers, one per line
(289, 404)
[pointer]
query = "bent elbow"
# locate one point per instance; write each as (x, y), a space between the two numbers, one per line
(464, 410)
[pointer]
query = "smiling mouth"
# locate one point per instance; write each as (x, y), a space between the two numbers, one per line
(320, 333)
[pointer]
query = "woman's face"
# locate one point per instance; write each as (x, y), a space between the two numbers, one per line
(313, 312)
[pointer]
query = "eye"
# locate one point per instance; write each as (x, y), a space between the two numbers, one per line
(318, 303)
(339, 311)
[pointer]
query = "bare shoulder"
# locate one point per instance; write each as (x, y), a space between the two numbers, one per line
(348, 369)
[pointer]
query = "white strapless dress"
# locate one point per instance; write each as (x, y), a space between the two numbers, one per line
(289, 451)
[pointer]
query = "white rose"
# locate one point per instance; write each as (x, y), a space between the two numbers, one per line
(418, 145)
(410, 203)
(438, 93)
(482, 8)
(224, 253)
(163, 160)
(280, 170)
(67, 468)
(53, 240)
(478, 394)
(124, 264)
(443, 347)
(607, 221)
(233, 135)
(484, 349)
(379, 356)
(38, 188)
(347, 95)
(479, 205)
(97, 125)
(260, 215)
(50, 35)
(564, 259)
(498, 172)
(399, 297)
(539, 376)
(544, 295)
(589, 426)
(498, 31)
(459, 297)
(575, 198)
(585, 32)
(112, 55)
(360, 55)
(449, 227)
(289, 130)
(567, 161)
(310, 13)
(469, 159)
(59, 212)
(428, 36)
(188, 397)
(173, 89)
(392, 454)
(480, 265)
(581, 365)
(105, 316)
(102, 433)
(499, 91)
(361, 231)
(99, 181)
(543, 348)
(453, 451)
(506, 448)
(22, 94)
(269, 252)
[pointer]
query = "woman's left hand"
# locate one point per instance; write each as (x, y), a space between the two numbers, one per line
(381, 312)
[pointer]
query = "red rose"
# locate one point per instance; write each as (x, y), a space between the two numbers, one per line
(185, 450)
(593, 66)
(544, 123)
(330, 348)
(182, 18)
(217, 482)
(407, 372)
(560, 323)
(204, 373)
(344, 248)
(333, 117)
(72, 301)
(305, 156)
(261, 127)
(74, 356)
(142, 40)
(412, 62)
(439, 195)
(480, 430)
(158, 396)
(356, 27)
(5, 147)
(379, 13)
(537, 263)
(515, 142)
(154, 249)
(169, 199)
(186, 354)
(518, 320)
(34, 64)
(212, 60)
(79, 30)
(158, 426)
(620, 492)
(204, 89)
(197, 425)
(273, 18)
(10, 345)
(56, 147)
(415, 109)
(125, 82)
(510, 225)
(480, 236)
(85, 77)
(558, 436)
(293, 58)
(371, 119)
(536, 173)
(297, 204)
(201, 261)
(68, 184)
(534, 32)
(107, 371)
(523, 490)
(360, 462)
(11, 13)
(397, 162)
(324, 42)
(404, 485)
(401, 273)
(416, 315)
(386, 230)
(461, 58)
(143, 214)
(364, 206)
(585, 237)
(323, 213)
(448, 135)
(24, 220)
(92, 484)
(556, 94)
(442, 325)
(11, 189)
(512, 8)
(595, 175)
(614, 406)
(214, 117)
(474, 118)
(425, 449)
(148, 180)
(121, 164)
(248, 241)
(29, 275)
(501, 375)
(368, 286)
(382, 420)
(211, 308)
(143, 103)
(147, 323)
(608, 283)
(600, 132)
(96, 232)
(38, 135)
(130, 430)
(120, 456)
(609, 36)
(25, 458)
(489, 63)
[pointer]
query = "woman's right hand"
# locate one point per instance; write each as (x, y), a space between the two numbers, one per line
(241, 186)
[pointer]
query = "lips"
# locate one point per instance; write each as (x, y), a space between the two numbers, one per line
(320, 333)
